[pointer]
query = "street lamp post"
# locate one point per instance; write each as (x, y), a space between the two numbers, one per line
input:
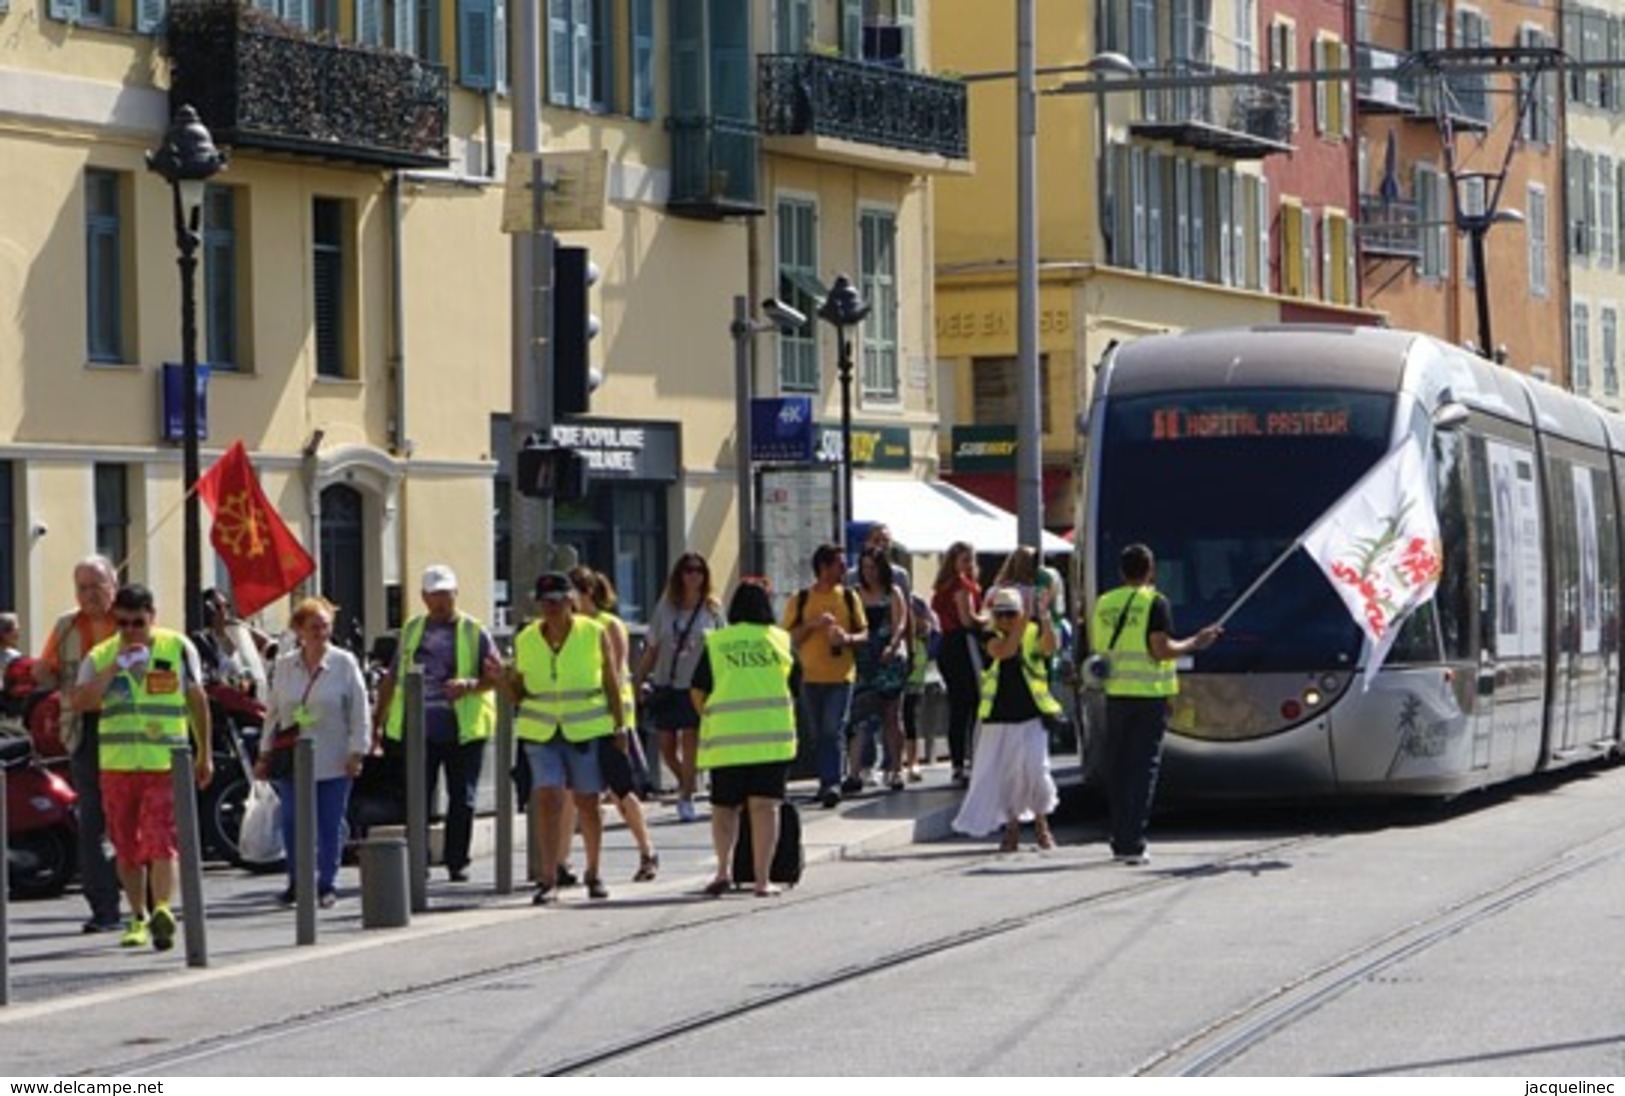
(844, 309)
(1029, 422)
(187, 159)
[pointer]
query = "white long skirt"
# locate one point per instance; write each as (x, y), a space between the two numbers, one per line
(1010, 778)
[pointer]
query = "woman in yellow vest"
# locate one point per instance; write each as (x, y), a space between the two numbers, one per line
(596, 600)
(741, 689)
(1011, 779)
(568, 694)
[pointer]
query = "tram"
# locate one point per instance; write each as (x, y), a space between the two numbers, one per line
(1219, 448)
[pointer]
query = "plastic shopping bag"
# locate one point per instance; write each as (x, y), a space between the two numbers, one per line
(260, 840)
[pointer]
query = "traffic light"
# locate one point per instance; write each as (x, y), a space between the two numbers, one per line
(574, 327)
(551, 472)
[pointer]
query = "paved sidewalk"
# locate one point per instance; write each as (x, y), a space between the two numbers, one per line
(52, 963)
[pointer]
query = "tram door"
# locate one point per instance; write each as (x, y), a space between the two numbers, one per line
(1511, 682)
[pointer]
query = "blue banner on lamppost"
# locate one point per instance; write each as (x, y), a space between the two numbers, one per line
(172, 415)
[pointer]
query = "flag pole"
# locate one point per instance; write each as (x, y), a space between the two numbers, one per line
(1297, 543)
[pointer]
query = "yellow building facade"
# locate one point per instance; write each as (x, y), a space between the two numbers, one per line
(354, 286)
(1154, 210)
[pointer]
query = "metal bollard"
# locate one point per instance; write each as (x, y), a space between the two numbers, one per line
(417, 793)
(304, 840)
(505, 758)
(191, 858)
(385, 897)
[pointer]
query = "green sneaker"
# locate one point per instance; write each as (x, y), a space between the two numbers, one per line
(163, 929)
(136, 935)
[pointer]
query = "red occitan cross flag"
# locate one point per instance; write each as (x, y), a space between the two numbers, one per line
(264, 557)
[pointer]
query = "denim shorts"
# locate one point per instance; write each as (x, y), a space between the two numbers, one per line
(559, 763)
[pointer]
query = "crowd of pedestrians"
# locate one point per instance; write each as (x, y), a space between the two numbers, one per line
(838, 675)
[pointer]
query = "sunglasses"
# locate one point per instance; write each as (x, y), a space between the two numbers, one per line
(130, 622)
(693, 569)
(1006, 613)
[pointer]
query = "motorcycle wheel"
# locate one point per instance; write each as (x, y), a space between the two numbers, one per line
(41, 863)
(220, 816)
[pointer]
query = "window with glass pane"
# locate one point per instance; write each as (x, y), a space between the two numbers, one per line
(798, 272)
(328, 262)
(104, 267)
(877, 233)
(220, 277)
(1608, 320)
(426, 32)
(1581, 346)
(113, 513)
(995, 392)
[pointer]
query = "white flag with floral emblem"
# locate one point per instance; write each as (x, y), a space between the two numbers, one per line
(1380, 547)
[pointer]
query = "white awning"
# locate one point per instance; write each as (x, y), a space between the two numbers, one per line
(928, 516)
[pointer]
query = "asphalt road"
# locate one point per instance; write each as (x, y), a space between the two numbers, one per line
(1479, 938)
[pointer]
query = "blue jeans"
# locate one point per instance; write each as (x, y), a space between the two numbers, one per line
(822, 709)
(332, 797)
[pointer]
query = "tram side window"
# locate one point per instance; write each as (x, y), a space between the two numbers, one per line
(1484, 526)
(1565, 558)
(1454, 596)
(1607, 559)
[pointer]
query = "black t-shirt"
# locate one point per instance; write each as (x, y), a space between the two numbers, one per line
(1162, 618)
(1013, 701)
(702, 674)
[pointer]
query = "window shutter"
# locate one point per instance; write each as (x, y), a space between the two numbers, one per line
(1136, 204)
(68, 11)
(369, 22)
(149, 15)
(1153, 212)
(1291, 270)
(499, 45)
(1261, 201)
(1328, 254)
(560, 81)
(1323, 112)
(405, 26)
(1182, 219)
(643, 59)
(852, 29)
(581, 57)
(1201, 184)
(905, 21)
(474, 44)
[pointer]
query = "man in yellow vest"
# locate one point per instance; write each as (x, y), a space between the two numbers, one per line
(461, 670)
(1131, 633)
(568, 691)
(741, 688)
(148, 685)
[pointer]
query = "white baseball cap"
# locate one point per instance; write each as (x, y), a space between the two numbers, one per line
(438, 579)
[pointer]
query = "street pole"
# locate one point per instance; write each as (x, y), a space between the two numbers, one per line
(742, 330)
(531, 526)
(1029, 433)
(186, 240)
(844, 367)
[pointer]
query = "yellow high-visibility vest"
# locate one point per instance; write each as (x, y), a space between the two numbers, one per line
(749, 717)
(476, 712)
(1133, 671)
(138, 732)
(1034, 668)
(564, 689)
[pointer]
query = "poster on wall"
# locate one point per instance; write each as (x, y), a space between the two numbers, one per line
(1516, 517)
(796, 511)
(1585, 522)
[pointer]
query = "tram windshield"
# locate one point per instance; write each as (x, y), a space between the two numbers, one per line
(1219, 483)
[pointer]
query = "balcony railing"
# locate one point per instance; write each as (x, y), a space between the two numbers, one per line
(1385, 94)
(1245, 122)
(1389, 227)
(713, 168)
(811, 94)
(260, 84)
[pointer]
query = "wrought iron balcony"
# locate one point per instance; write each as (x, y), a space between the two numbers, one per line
(809, 94)
(713, 168)
(260, 84)
(1389, 228)
(1244, 122)
(1387, 94)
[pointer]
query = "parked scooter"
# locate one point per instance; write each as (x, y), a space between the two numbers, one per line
(41, 824)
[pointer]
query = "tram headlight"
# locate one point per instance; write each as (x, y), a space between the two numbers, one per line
(1312, 697)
